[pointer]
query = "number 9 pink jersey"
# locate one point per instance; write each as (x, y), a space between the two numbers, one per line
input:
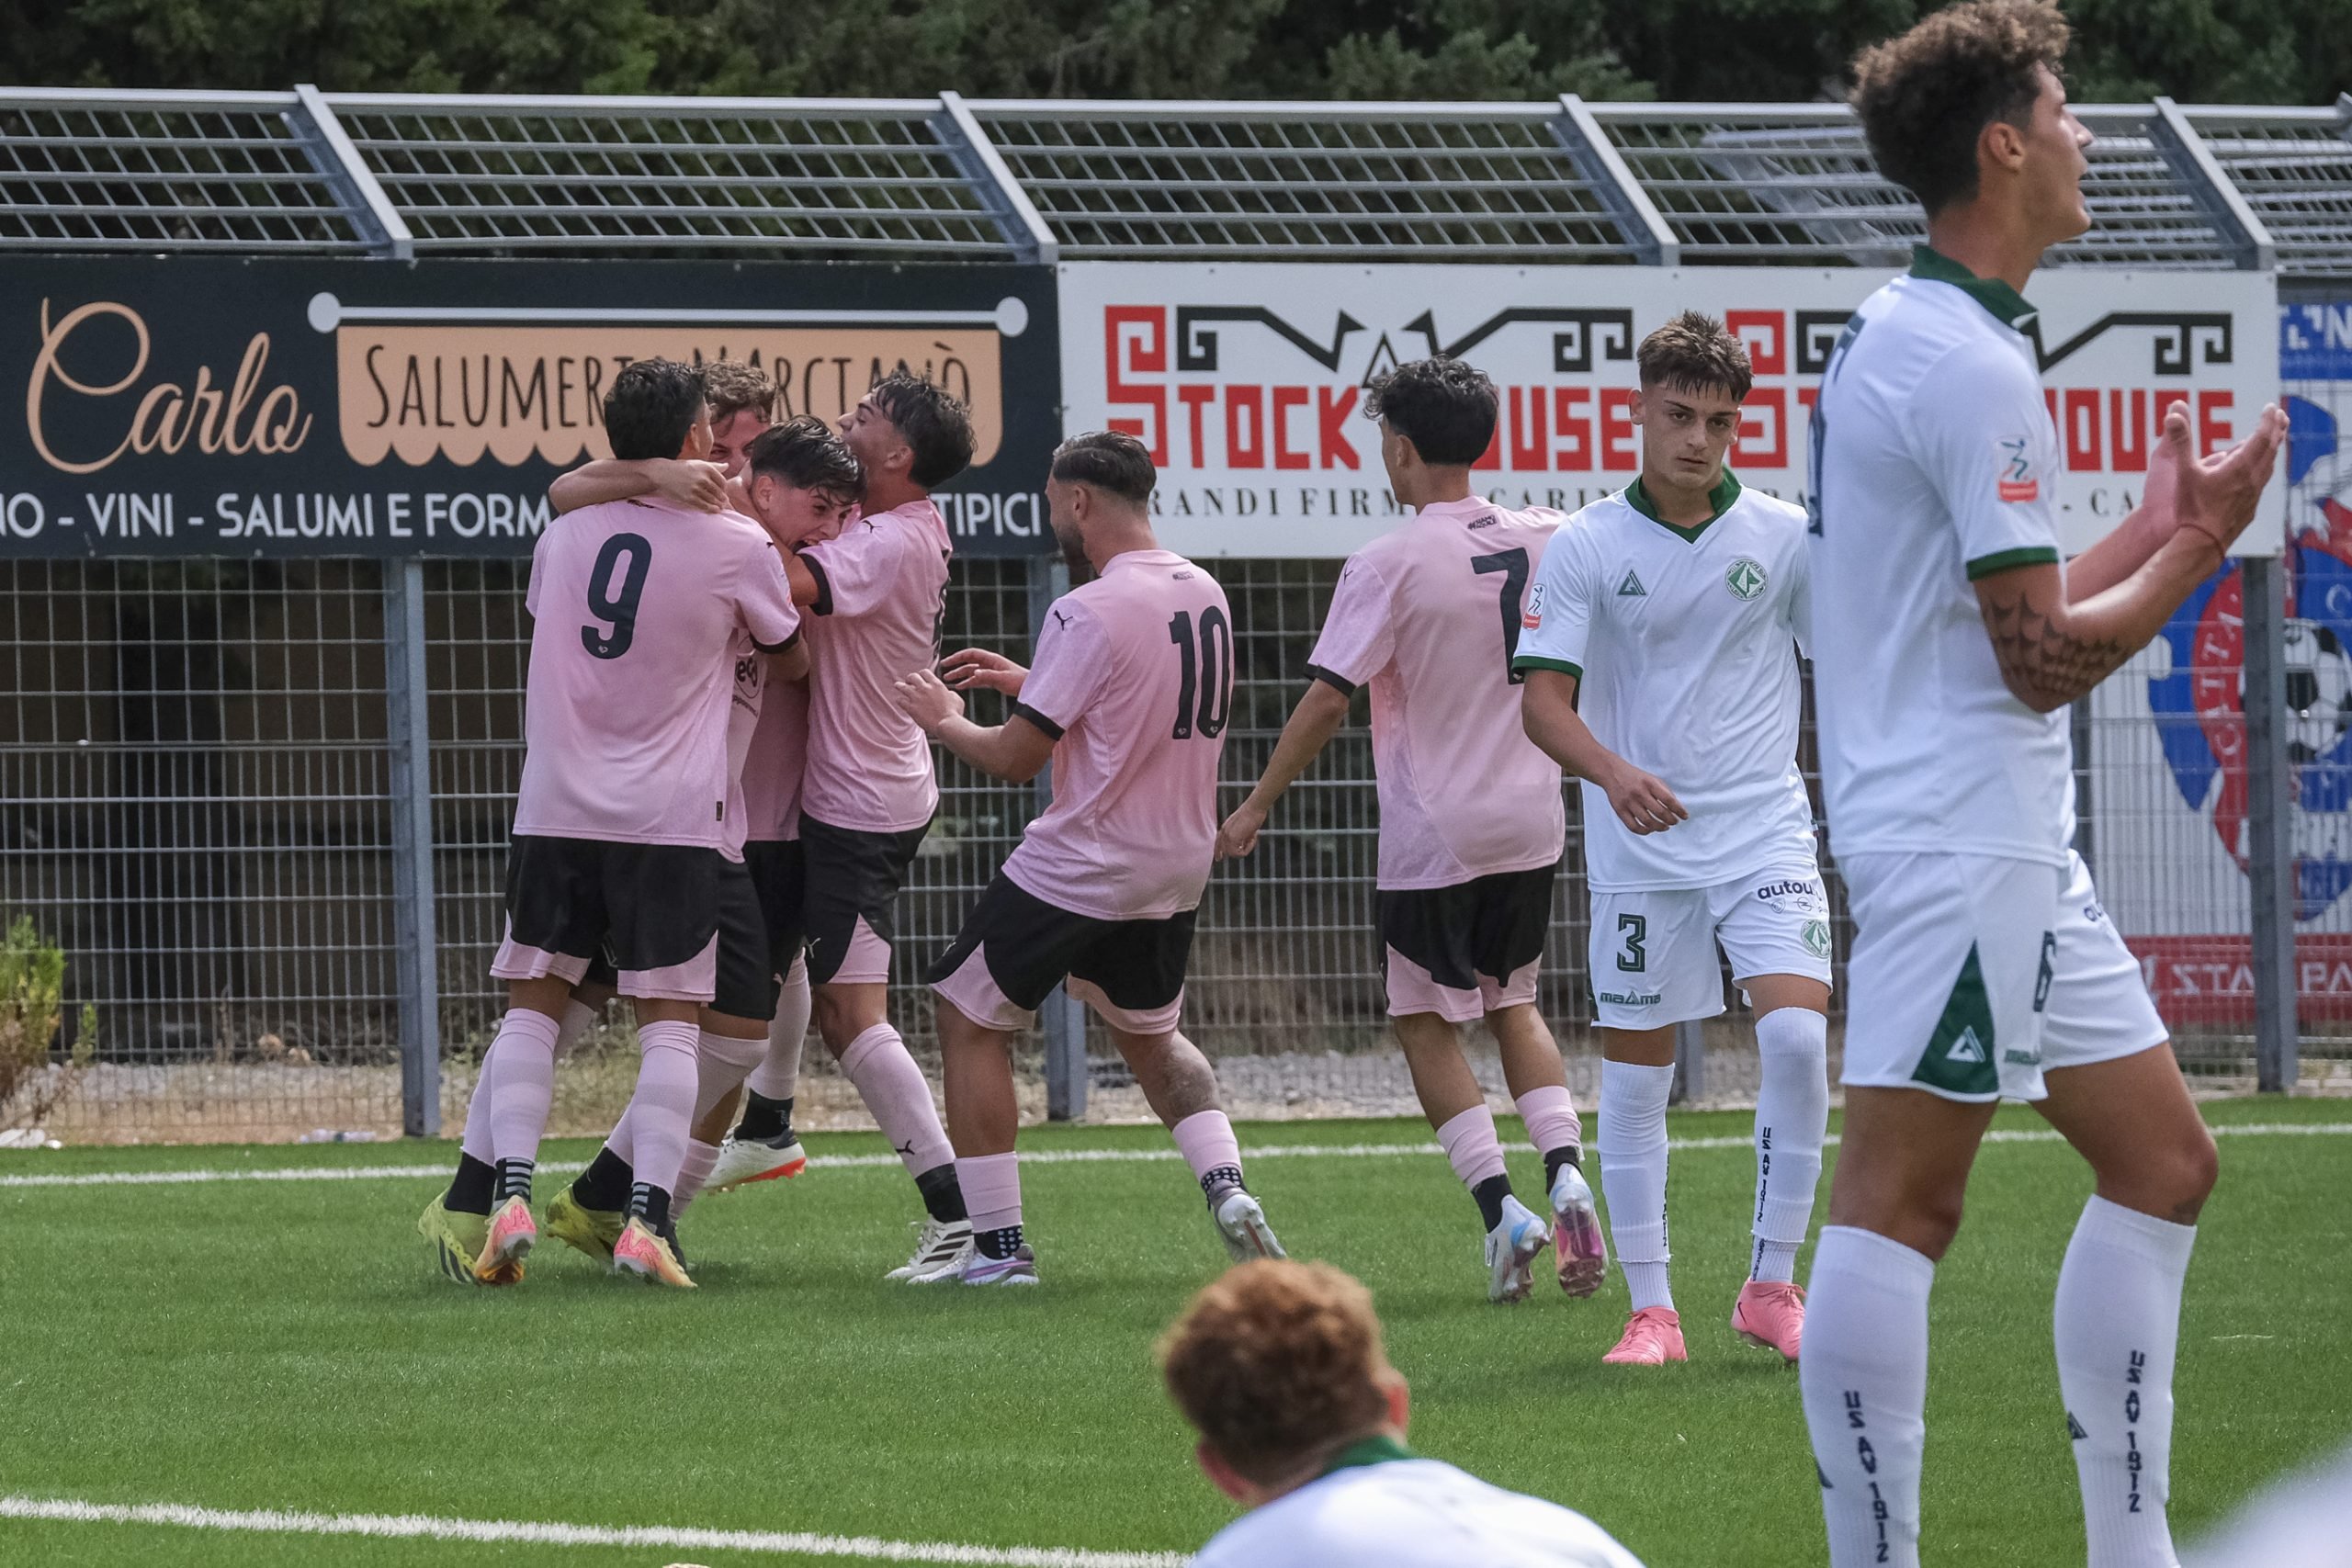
(1428, 615)
(1134, 679)
(635, 606)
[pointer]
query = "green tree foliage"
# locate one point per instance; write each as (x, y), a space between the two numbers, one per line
(2263, 50)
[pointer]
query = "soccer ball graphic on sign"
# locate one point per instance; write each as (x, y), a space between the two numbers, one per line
(2319, 680)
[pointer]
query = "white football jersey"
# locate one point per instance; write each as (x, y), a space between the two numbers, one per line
(1684, 645)
(1934, 464)
(1410, 1513)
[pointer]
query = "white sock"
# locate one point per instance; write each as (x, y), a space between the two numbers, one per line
(2118, 1323)
(1864, 1373)
(778, 1073)
(1792, 1118)
(1632, 1175)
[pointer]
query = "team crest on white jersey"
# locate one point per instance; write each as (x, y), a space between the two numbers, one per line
(1746, 579)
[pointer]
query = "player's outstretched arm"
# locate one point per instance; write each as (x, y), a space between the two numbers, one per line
(1313, 722)
(1548, 711)
(702, 486)
(2055, 646)
(976, 667)
(1015, 750)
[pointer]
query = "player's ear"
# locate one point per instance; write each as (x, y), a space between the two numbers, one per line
(1400, 1398)
(1222, 1476)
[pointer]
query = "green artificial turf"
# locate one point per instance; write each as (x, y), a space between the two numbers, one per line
(285, 1346)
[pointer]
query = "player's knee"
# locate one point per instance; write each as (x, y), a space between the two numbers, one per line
(2191, 1168)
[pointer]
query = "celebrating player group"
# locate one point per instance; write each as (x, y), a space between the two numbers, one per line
(736, 683)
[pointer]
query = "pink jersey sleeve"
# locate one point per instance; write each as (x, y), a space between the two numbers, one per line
(1360, 632)
(762, 591)
(1073, 659)
(856, 570)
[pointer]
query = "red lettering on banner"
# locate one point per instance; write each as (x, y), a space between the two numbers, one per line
(1332, 406)
(1149, 352)
(2210, 979)
(2079, 429)
(2214, 425)
(1617, 454)
(1766, 334)
(1764, 443)
(1529, 434)
(1286, 399)
(1196, 399)
(2129, 426)
(1578, 458)
(1492, 458)
(1250, 453)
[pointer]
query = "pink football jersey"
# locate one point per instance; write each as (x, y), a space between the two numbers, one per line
(772, 767)
(1134, 678)
(1428, 615)
(637, 607)
(881, 595)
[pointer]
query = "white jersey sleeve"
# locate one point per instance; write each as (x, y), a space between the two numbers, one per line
(1800, 598)
(1557, 628)
(1988, 447)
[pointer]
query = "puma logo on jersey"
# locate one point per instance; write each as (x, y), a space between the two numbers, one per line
(1632, 587)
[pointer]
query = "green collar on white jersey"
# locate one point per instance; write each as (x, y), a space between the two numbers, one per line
(1378, 1448)
(1720, 498)
(2008, 305)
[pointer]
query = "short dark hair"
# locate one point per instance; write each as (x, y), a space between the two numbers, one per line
(1926, 97)
(1107, 460)
(938, 426)
(806, 454)
(1693, 352)
(732, 386)
(1444, 407)
(651, 406)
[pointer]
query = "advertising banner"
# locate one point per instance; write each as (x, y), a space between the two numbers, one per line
(1247, 379)
(201, 406)
(2168, 788)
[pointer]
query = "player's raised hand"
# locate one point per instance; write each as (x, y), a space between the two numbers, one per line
(977, 667)
(924, 698)
(2214, 496)
(702, 486)
(1239, 834)
(1642, 803)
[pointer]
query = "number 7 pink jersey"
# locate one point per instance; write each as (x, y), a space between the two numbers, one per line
(1134, 679)
(636, 608)
(1428, 615)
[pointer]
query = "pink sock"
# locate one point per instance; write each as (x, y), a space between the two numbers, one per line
(477, 1139)
(662, 1111)
(1550, 1113)
(991, 1186)
(725, 1062)
(778, 1073)
(1206, 1140)
(894, 1090)
(522, 1088)
(1470, 1145)
(577, 1016)
(693, 1171)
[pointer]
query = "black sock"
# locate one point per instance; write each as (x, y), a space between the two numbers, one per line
(941, 1194)
(476, 1186)
(1490, 1194)
(762, 1118)
(1218, 1180)
(1001, 1243)
(651, 1204)
(604, 1184)
(1554, 1159)
(514, 1179)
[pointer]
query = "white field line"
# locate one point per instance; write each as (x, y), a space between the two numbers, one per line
(1042, 1158)
(420, 1526)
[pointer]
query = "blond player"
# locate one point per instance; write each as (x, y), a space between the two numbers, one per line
(1472, 828)
(1661, 661)
(1128, 698)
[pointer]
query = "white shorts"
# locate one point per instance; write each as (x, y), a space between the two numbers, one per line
(1653, 952)
(1972, 976)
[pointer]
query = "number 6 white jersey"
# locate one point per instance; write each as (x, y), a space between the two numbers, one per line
(1428, 616)
(1683, 642)
(636, 607)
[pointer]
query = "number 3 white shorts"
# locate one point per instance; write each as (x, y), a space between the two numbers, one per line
(1653, 952)
(1972, 976)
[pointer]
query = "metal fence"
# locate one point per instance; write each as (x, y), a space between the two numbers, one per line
(205, 764)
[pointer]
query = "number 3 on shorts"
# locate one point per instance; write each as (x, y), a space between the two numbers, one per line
(1635, 930)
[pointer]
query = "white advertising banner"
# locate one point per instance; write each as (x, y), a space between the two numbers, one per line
(1247, 379)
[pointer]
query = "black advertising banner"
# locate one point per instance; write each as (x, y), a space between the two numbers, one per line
(216, 407)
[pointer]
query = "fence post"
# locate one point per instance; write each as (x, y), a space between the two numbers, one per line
(2270, 839)
(1062, 1018)
(409, 739)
